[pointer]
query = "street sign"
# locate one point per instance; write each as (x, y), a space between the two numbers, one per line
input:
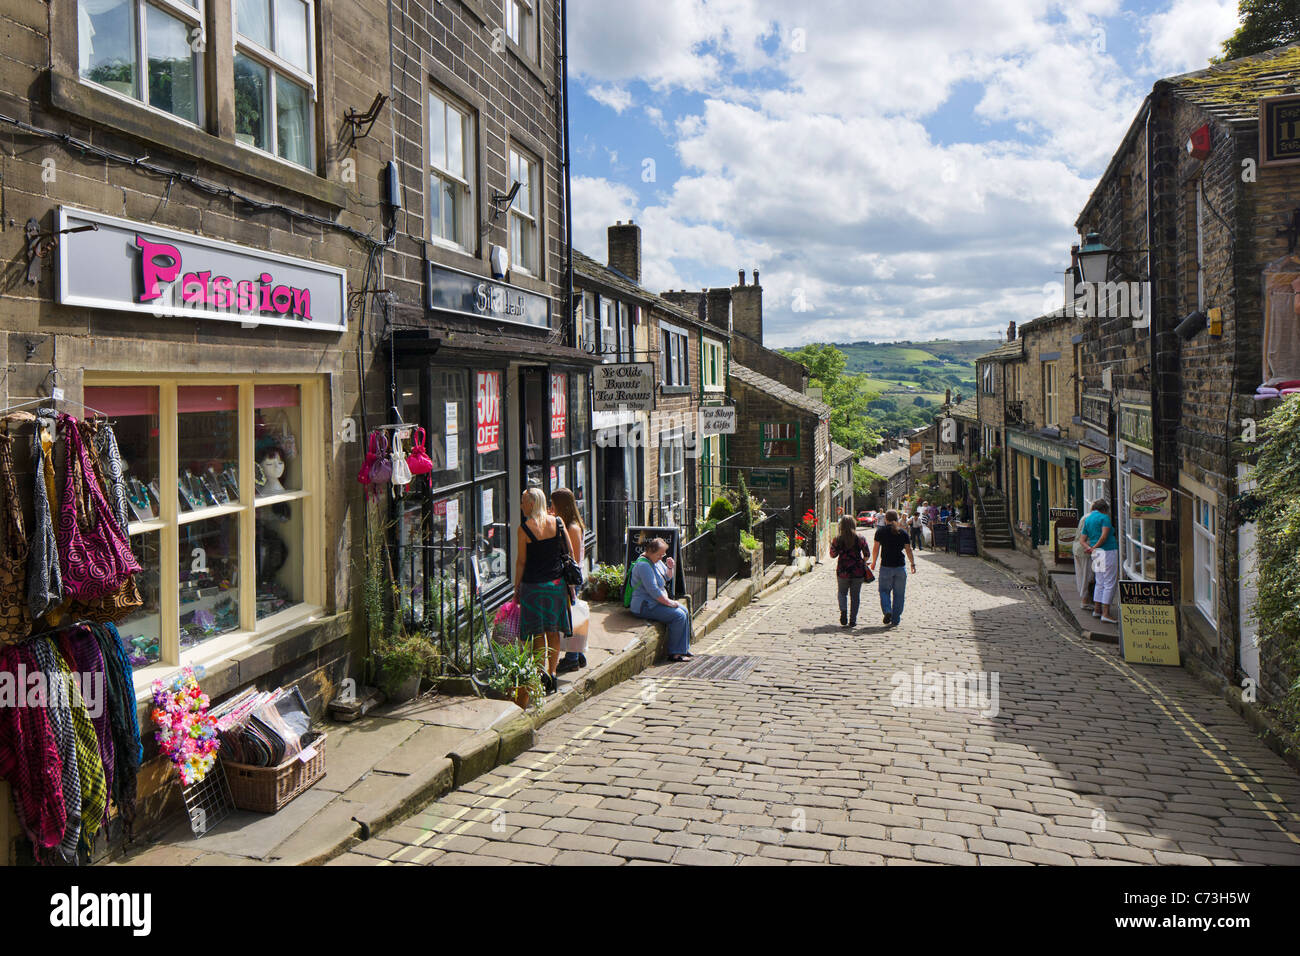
(946, 462)
(1065, 529)
(769, 479)
(1148, 622)
(626, 385)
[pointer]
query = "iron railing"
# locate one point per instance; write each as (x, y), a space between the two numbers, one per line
(774, 533)
(695, 572)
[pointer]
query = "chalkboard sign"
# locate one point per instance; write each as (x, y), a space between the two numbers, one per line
(941, 537)
(639, 536)
(966, 540)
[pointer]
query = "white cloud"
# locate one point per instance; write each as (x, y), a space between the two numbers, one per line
(1184, 37)
(825, 176)
(616, 98)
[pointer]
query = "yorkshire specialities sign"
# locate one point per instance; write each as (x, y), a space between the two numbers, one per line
(133, 267)
(465, 293)
(1279, 130)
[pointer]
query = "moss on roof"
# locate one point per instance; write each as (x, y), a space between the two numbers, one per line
(1233, 89)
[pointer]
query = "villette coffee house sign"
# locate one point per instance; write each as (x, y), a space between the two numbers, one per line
(133, 267)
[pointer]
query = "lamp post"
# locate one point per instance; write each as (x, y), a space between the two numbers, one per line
(1094, 259)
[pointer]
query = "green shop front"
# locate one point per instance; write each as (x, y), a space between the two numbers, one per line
(1044, 476)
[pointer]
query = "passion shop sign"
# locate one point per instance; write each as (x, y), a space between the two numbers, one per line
(133, 267)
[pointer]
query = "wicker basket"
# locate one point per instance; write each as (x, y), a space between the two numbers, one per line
(267, 789)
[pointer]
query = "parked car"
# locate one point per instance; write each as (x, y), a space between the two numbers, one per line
(867, 519)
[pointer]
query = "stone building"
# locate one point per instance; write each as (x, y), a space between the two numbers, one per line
(652, 466)
(228, 233)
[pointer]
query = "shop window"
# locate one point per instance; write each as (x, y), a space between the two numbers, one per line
(1206, 577)
(524, 214)
(673, 366)
(580, 407)
(521, 26)
(1137, 541)
(778, 441)
(712, 368)
(452, 154)
(275, 85)
(447, 445)
(489, 449)
(559, 414)
(225, 510)
(149, 51)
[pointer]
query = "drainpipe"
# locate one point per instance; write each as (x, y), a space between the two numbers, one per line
(568, 191)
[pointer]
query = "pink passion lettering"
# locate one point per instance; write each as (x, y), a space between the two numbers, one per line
(160, 262)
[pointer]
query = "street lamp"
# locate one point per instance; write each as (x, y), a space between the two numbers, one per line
(1094, 259)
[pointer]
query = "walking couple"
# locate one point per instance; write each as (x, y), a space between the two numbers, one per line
(549, 536)
(849, 549)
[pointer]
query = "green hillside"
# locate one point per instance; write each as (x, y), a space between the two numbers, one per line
(910, 377)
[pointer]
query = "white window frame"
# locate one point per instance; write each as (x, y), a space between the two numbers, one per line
(520, 22)
(674, 342)
(464, 183)
(711, 348)
(609, 329)
(523, 162)
(588, 322)
(1134, 537)
(672, 472)
(1051, 397)
(1205, 577)
(197, 19)
(276, 65)
(627, 332)
(171, 519)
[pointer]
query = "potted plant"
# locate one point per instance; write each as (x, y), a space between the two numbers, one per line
(402, 661)
(605, 581)
(516, 673)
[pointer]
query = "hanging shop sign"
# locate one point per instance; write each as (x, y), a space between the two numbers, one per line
(717, 420)
(487, 434)
(1135, 425)
(1148, 622)
(944, 463)
(1094, 410)
(465, 293)
(559, 404)
(1065, 528)
(128, 266)
(1036, 447)
(1093, 464)
(624, 385)
(1279, 130)
(1149, 500)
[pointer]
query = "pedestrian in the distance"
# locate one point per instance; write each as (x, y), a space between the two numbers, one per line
(1099, 541)
(892, 543)
(850, 551)
(914, 525)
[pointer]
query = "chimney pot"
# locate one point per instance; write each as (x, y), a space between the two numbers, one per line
(1011, 332)
(755, 277)
(742, 276)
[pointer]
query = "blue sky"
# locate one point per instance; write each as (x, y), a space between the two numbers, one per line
(894, 170)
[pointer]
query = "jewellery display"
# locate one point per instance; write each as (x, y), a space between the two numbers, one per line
(138, 497)
(230, 479)
(259, 476)
(212, 484)
(189, 500)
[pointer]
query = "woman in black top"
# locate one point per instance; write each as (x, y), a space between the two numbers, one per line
(894, 541)
(850, 550)
(540, 590)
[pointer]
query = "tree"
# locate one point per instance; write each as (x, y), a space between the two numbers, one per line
(1265, 24)
(846, 393)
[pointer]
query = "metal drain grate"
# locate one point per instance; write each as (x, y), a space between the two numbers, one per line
(713, 667)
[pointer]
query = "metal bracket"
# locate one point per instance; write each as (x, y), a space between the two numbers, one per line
(359, 124)
(40, 244)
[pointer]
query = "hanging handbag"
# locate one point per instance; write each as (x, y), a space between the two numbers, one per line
(363, 476)
(401, 471)
(381, 468)
(122, 603)
(570, 572)
(418, 460)
(101, 441)
(15, 618)
(93, 553)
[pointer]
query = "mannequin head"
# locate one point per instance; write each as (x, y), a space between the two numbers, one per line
(272, 462)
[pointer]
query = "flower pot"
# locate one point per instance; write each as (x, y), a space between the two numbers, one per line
(521, 697)
(406, 690)
(600, 591)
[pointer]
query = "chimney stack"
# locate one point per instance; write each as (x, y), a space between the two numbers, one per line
(625, 249)
(747, 309)
(1011, 332)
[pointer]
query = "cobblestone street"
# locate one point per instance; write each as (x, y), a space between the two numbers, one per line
(811, 756)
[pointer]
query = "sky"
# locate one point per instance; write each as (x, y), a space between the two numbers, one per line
(894, 170)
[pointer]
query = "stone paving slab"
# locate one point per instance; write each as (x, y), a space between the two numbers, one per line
(832, 753)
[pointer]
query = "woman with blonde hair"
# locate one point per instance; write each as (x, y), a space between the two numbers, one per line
(540, 590)
(564, 505)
